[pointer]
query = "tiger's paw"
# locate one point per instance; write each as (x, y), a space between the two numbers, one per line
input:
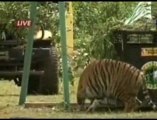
(80, 108)
(90, 109)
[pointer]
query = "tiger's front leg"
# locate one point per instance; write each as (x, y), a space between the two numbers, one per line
(93, 106)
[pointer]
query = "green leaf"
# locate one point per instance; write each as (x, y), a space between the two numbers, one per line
(143, 9)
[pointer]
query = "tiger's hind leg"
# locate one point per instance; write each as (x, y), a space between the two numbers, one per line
(130, 105)
(95, 103)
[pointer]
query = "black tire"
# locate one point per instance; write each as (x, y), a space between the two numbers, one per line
(33, 85)
(49, 81)
(46, 84)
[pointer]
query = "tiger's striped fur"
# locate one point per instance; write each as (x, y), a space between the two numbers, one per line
(111, 78)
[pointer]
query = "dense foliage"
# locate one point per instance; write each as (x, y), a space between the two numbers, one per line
(93, 23)
(47, 15)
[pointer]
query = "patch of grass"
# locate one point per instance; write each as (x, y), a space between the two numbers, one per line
(9, 108)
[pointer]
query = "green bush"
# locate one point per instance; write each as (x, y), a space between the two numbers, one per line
(93, 24)
(47, 15)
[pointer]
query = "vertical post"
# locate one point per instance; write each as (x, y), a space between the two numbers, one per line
(64, 54)
(156, 24)
(69, 21)
(28, 55)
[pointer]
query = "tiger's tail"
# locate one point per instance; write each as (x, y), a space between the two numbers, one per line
(147, 97)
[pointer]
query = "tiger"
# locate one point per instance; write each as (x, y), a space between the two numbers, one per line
(112, 78)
